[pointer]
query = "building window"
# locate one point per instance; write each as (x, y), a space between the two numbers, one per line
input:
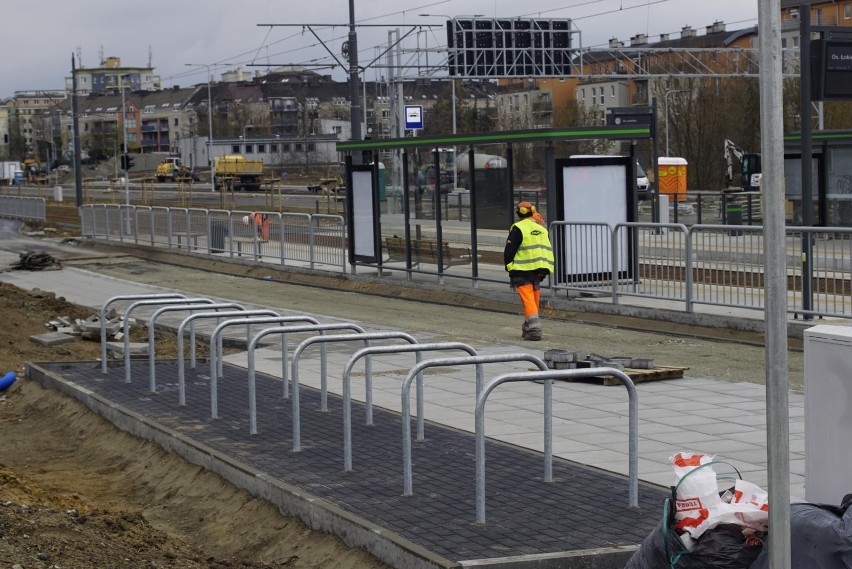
(783, 43)
(337, 129)
(285, 148)
(177, 122)
(847, 11)
(311, 147)
(273, 148)
(249, 148)
(612, 91)
(261, 148)
(795, 41)
(235, 149)
(298, 147)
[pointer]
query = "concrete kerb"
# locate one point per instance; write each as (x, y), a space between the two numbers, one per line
(313, 511)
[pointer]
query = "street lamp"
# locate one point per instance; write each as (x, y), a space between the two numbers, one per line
(209, 125)
(453, 85)
(666, 100)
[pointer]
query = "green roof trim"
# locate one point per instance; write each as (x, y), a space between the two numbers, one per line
(822, 135)
(543, 135)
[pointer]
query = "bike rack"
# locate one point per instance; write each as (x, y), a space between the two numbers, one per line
(152, 368)
(192, 318)
(136, 305)
(366, 337)
(216, 364)
(418, 349)
(103, 318)
(321, 328)
(548, 376)
(406, 408)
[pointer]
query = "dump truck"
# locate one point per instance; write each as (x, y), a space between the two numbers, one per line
(172, 169)
(235, 172)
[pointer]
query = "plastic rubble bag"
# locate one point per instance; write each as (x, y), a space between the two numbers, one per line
(724, 547)
(699, 506)
(696, 493)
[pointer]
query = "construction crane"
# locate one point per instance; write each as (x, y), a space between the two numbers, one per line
(749, 168)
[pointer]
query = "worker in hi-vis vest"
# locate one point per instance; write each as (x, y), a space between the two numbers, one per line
(528, 257)
(260, 221)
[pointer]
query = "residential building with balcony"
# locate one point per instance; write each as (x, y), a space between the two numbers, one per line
(107, 78)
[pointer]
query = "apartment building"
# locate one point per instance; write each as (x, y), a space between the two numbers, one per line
(108, 77)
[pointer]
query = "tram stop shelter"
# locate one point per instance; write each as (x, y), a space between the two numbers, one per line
(426, 224)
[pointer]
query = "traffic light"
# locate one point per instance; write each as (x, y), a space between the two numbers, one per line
(126, 162)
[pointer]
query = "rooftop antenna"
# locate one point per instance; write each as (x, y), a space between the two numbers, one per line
(80, 56)
(150, 57)
(101, 55)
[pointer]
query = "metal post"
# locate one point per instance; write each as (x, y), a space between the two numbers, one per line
(655, 195)
(772, 186)
(807, 161)
(209, 124)
(455, 148)
(75, 120)
(210, 133)
(124, 144)
(354, 100)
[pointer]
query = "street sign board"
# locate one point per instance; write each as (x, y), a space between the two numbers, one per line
(832, 68)
(413, 117)
(631, 116)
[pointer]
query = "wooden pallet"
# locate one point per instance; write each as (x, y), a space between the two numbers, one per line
(641, 375)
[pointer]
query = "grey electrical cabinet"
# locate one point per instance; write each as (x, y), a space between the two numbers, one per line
(828, 413)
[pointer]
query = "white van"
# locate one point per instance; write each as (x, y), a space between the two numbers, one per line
(643, 186)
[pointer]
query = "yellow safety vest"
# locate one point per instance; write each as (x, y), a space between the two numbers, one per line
(535, 251)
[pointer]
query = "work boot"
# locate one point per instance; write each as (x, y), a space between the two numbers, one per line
(532, 328)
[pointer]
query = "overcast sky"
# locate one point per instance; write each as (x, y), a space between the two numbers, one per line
(38, 39)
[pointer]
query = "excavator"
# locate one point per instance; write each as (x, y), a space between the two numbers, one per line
(749, 168)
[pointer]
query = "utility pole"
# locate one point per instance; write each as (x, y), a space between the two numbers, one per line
(772, 188)
(355, 101)
(78, 175)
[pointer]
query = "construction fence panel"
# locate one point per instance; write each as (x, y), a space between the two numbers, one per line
(328, 240)
(25, 208)
(160, 232)
(830, 286)
(583, 256)
(658, 264)
(727, 265)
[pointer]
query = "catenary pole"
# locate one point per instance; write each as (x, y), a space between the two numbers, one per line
(75, 120)
(355, 101)
(772, 188)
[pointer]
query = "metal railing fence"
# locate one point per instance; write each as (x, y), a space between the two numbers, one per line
(15, 207)
(281, 237)
(719, 265)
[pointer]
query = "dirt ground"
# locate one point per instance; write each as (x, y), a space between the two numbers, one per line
(75, 492)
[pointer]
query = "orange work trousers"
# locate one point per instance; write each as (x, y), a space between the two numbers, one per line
(530, 295)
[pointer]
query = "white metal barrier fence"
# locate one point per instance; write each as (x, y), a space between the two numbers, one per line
(270, 236)
(15, 207)
(720, 265)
